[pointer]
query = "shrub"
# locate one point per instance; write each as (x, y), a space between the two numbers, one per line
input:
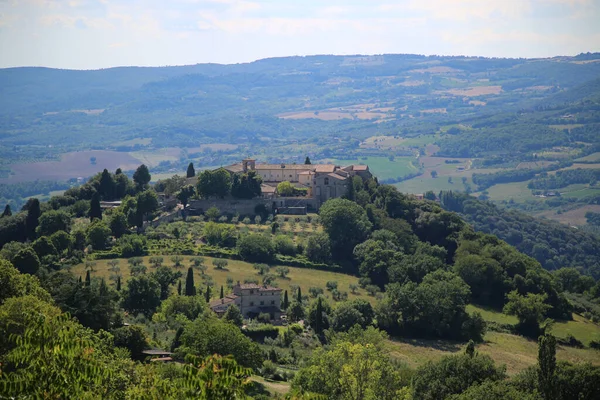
(257, 248)
(331, 285)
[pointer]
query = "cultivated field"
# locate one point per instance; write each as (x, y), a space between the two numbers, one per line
(72, 165)
(476, 91)
(574, 217)
(382, 167)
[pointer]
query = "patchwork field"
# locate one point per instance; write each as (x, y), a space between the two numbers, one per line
(72, 165)
(154, 157)
(574, 217)
(356, 111)
(591, 157)
(476, 91)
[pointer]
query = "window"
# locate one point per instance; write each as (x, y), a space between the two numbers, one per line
(290, 176)
(251, 303)
(272, 302)
(327, 181)
(251, 291)
(262, 303)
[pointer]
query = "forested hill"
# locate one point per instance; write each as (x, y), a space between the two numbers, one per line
(553, 244)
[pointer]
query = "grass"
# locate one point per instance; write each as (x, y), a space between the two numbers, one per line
(491, 315)
(382, 167)
(584, 330)
(590, 157)
(238, 271)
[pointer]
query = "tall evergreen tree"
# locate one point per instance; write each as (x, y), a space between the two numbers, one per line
(307, 161)
(107, 185)
(222, 294)
(190, 289)
(79, 280)
(547, 365)
(33, 218)
(95, 209)
(319, 317)
(207, 294)
(286, 301)
(141, 177)
(191, 172)
(7, 211)
(118, 171)
(88, 278)
(299, 295)
(179, 288)
(118, 283)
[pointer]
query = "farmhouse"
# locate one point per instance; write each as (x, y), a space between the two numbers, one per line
(252, 300)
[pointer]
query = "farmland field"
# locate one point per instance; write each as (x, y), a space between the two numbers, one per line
(574, 217)
(72, 165)
(590, 157)
(382, 167)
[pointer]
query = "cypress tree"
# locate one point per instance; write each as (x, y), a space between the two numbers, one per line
(286, 301)
(179, 288)
(33, 217)
(88, 278)
(118, 171)
(118, 284)
(307, 161)
(79, 280)
(191, 172)
(299, 298)
(222, 294)
(7, 211)
(190, 290)
(318, 323)
(207, 294)
(547, 365)
(177, 340)
(95, 209)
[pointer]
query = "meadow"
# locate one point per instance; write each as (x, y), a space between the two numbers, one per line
(383, 167)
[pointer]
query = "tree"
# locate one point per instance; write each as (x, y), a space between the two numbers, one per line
(299, 295)
(190, 289)
(220, 264)
(434, 174)
(282, 271)
(142, 295)
(347, 225)
(246, 186)
(95, 209)
(285, 188)
(234, 315)
(7, 212)
(119, 283)
(106, 187)
(179, 288)
(53, 221)
(283, 244)
(547, 365)
(307, 161)
(318, 324)
(147, 202)
(191, 172)
(165, 277)
(98, 234)
(62, 241)
(88, 278)
(212, 213)
(185, 194)
(32, 220)
(222, 294)
(207, 294)
(174, 308)
(26, 261)
(350, 371)
(296, 311)
(214, 183)
(285, 304)
(318, 248)
(141, 177)
(16, 284)
(453, 375)
(350, 313)
(529, 309)
(43, 246)
(255, 248)
(132, 338)
(118, 224)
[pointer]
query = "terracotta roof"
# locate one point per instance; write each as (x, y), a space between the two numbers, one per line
(360, 167)
(234, 167)
(336, 176)
(230, 298)
(260, 288)
(284, 166)
(268, 188)
(325, 168)
(306, 173)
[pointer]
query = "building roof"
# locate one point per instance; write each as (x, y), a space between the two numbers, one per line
(324, 168)
(259, 287)
(306, 173)
(284, 166)
(336, 176)
(238, 167)
(360, 167)
(267, 188)
(227, 300)
(156, 352)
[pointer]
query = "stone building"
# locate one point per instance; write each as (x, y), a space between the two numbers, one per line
(252, 300)
(321, 181)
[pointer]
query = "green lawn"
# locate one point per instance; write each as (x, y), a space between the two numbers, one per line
(238, 271)
(491, 315)
(382, 167)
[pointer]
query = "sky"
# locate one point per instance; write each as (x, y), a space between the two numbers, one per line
(91, 34)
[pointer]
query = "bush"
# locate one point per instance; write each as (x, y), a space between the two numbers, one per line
(284, 245)
(331, 285)
(256, 248)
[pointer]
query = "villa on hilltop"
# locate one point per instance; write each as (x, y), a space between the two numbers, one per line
(252, 300)
(317, 183)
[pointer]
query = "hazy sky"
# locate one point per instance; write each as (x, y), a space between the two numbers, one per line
(87, 34)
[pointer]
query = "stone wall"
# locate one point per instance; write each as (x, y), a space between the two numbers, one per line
(164, 218)
(229, 206)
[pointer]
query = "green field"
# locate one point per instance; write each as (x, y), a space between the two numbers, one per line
(591, 157)
(382, 167)
(238, 271)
